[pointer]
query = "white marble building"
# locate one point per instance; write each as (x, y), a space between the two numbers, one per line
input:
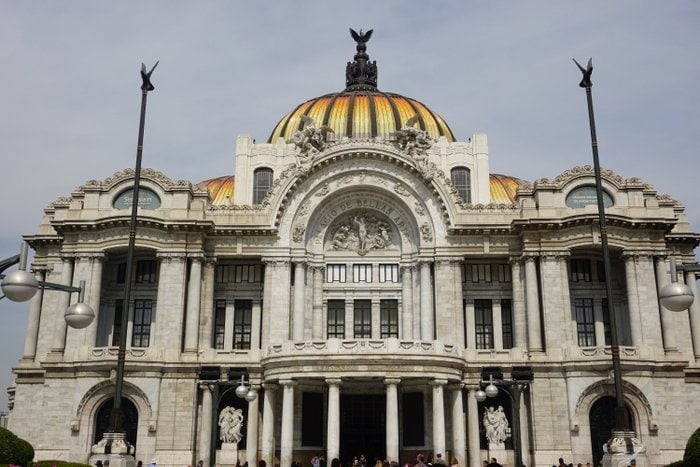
(361, 278)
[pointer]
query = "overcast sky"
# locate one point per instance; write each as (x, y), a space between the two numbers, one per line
(70, 80)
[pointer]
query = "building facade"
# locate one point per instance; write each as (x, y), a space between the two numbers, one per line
(359, 271)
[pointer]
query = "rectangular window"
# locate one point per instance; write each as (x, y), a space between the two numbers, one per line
(242, 323)
(388, 273)
(335, 273)
(312, 419)
(146, 271)
(413, 421)
(121, 273)
(363, 319)
(117, 327)
(239, 273)
(463, 266)
(362, 273)
(481, 272)
(336, 319)
(219, 324)
(507, 323)
(585, 322)
(606, 322)
(502, 272)
(141, 335)
(389, 318)
(484, 324)
(580, 270)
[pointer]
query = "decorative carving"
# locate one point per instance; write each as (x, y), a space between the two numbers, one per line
(325, 189)
(401, 190)
(346, 180)
(361, 232)
(426, 232)
(414, 142)
(310, 140)
(298, 233)
(230, 424)
(304, 210)
(361, 74)
(496, 425)
(418, 209)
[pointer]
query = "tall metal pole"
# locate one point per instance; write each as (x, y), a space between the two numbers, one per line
(622, 422)
(116, 417)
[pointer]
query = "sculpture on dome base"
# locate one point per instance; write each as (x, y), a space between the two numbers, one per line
(310, 140)
(414, 142)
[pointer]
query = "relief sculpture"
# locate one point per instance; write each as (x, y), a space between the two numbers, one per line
(361, 232)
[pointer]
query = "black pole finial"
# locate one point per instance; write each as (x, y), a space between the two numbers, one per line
(146, 77)
(361, 74)
(586, 80)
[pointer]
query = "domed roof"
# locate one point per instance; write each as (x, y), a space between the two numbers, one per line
(502, 187)
(361, 111)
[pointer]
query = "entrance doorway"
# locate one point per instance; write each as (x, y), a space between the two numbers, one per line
(130, 424)
(362, 427)
(602, 419)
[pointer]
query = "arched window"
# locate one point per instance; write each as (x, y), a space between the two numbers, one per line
(262, 181)
(461, 179)
(130, 423)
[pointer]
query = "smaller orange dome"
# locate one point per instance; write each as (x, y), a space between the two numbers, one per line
(503, 188)
(220, 189)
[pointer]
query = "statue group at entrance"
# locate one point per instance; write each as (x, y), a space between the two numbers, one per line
(230, 425)
(496, 426)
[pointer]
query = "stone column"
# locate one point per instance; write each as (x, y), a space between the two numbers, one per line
(471, 323)
(667, 331)
(333, 427)
(519, 318)
(267, 306)
(59, 338)
(694, 313)
(228, 324)
(206, 311)
(194, 289)
(93, 298)
(532, 304)
(392, 419)
(426, 303)
(458, 302)
(205, 424)
(459, 442)
(438, 416)
(633, 299)
(33, 320)
(407, 302)
(497, 324)
(170, 304)
(444, 305)
(473, 427)
(251, 440)
(349, 319)
(287, 437)
(256, 316)
(375, 318)
(268, 431)
(279, 298)
(298, 316)
(317, 308)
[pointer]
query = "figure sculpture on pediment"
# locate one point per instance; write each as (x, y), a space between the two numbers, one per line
(361, 232)
(414, 142)
(230, 424)
(310, 140)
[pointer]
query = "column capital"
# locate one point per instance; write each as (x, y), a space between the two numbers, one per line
(456, 385)
(530, 255)
(171, 256)
(288, 382)
(269, 386)
(555, 254)
(635, 254)
(210, 261)
(438, 382)
(334, 381)
(392, 381)
(205, 386)
(407, 267)
(90, 255)
(299, 261)
(196, 256)
(276, 261)
(472, 387)
(316, 267)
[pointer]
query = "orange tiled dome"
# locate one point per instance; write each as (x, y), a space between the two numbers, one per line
(503, 188)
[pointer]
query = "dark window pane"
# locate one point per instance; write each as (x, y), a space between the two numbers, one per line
(262, 181)
(363, 319)
(389, 318)
(336, 319)
(242, 323)
(580, 270)
(141, 333)
(585, 322)
(507, 323)
(461, 179)
(412, 419)
(219, 324)
(483, 321)
(116, 329)
(146, 271)
(312, 419)
(606, 322)
(121, 273)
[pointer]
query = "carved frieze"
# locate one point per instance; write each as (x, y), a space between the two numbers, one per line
(361, 232)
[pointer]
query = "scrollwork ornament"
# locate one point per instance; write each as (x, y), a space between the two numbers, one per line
(298, 233)
(426, 232)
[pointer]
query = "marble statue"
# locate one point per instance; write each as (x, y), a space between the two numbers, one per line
(496, 425)
(310, 140)
(414, 141)
(230, 424)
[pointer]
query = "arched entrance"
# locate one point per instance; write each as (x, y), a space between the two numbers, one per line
(131, 420)
(602, 419)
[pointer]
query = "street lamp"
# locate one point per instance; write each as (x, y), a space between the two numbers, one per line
(20, 286)
(676, 297)
(244, 391)
(521, 378)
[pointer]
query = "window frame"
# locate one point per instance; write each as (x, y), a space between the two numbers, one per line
(259, 188)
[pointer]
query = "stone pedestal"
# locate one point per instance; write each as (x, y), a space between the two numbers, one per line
(227, 455)
(115, 449)
(622, 448)
(499, 452)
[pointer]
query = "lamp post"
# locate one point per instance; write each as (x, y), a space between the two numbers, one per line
(675, 297)
(114, 441)
(20, 286)
(521, 378)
